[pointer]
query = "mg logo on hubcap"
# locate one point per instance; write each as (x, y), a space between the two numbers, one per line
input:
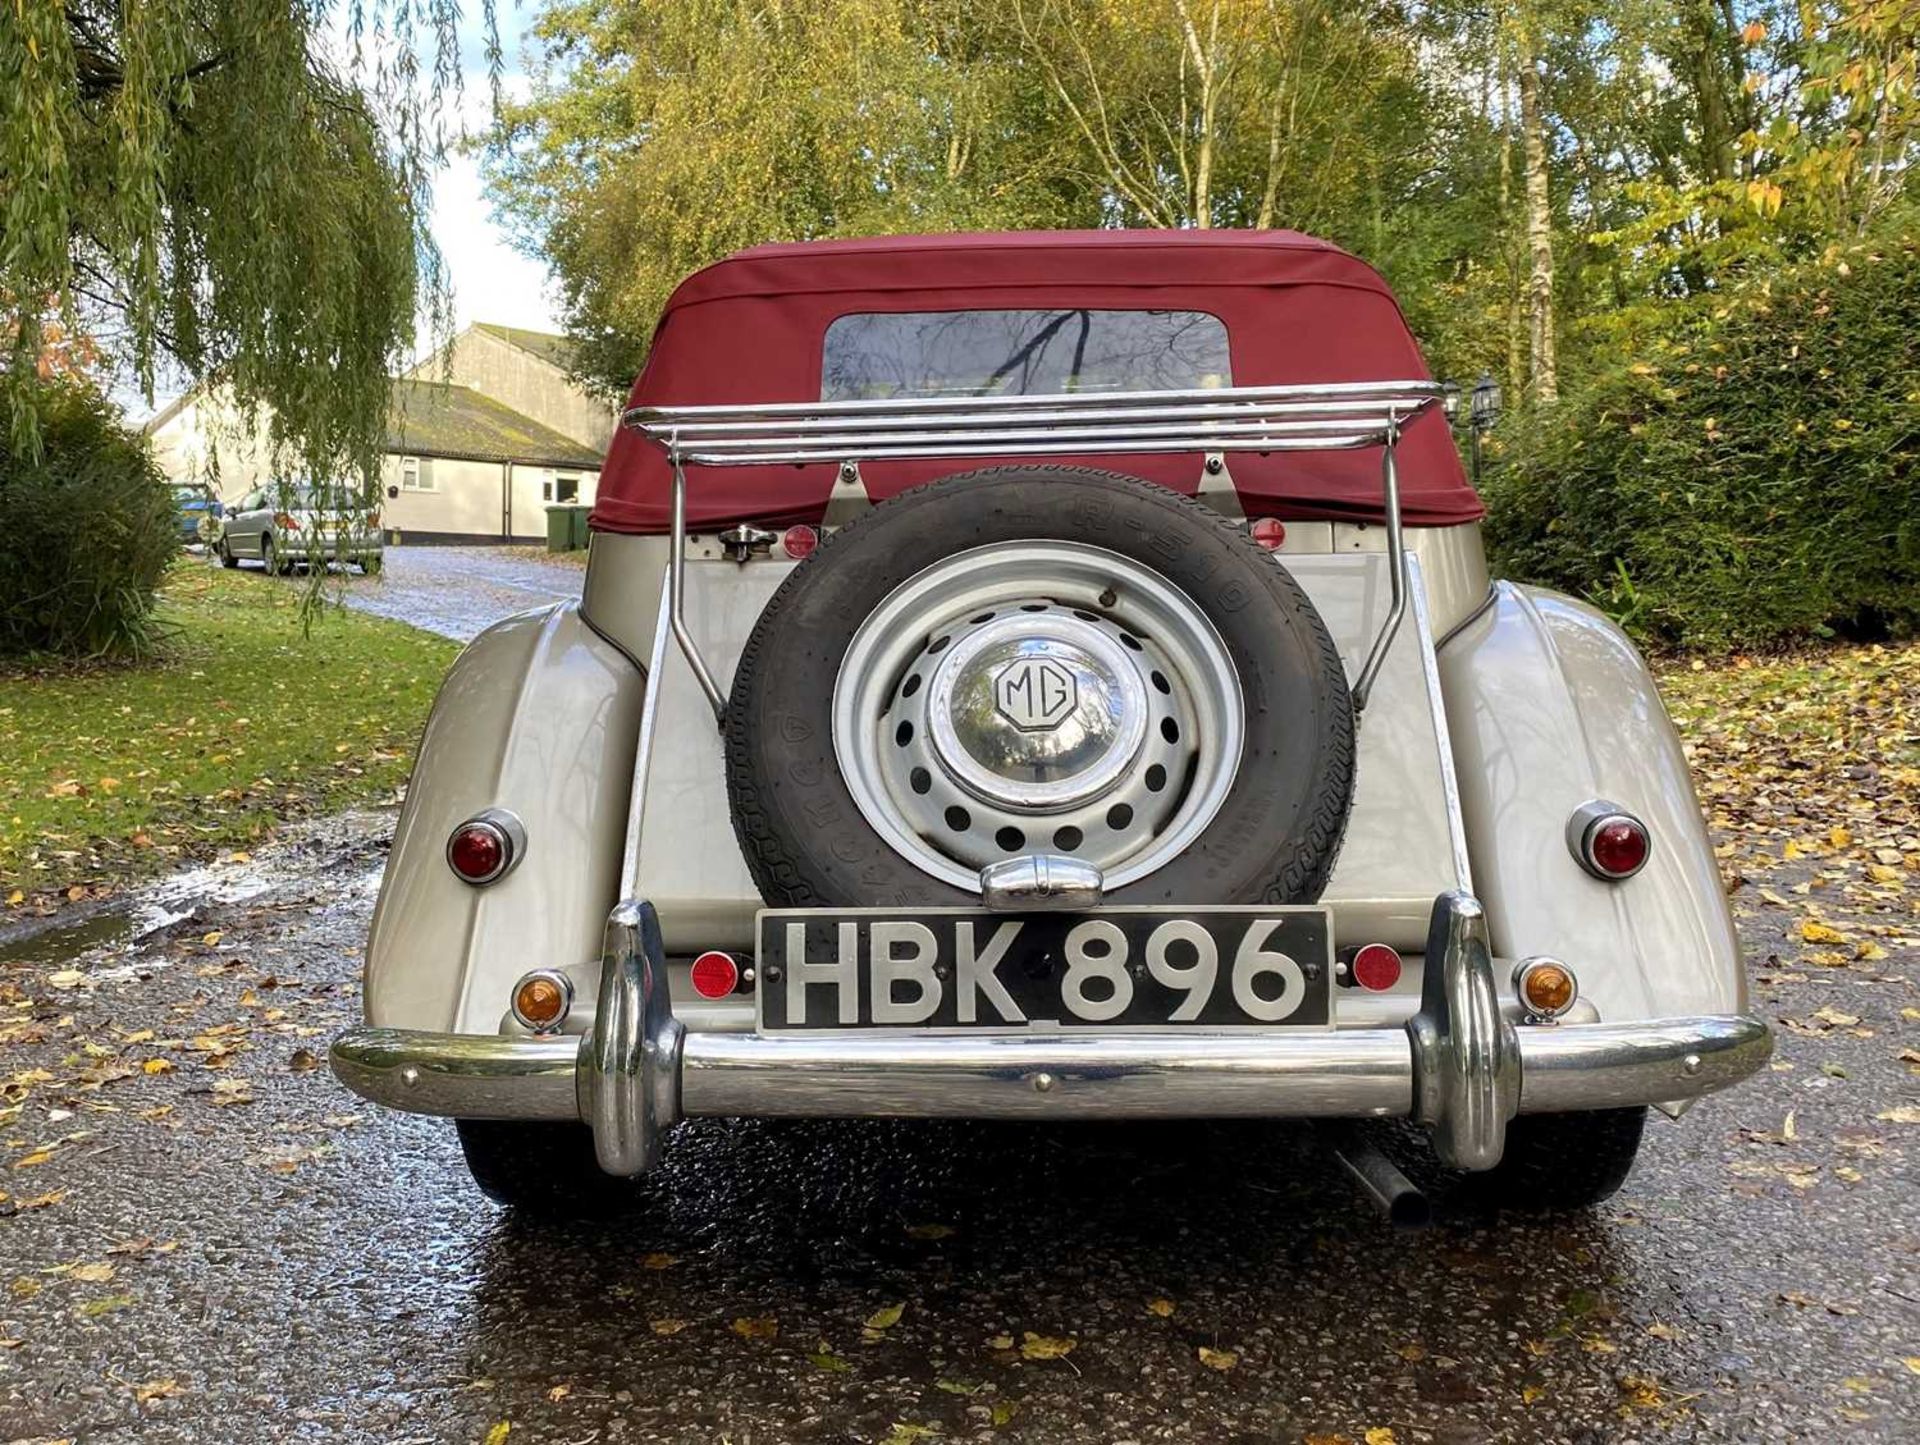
(1035, 694)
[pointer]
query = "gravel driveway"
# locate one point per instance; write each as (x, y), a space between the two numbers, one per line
(458, 591)
(208, 1240)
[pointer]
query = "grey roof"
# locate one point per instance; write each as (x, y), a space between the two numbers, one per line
(554, 350)
(440, 419)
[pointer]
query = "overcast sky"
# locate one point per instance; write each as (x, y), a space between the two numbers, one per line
(491, 280)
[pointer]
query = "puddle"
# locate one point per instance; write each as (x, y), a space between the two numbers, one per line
(118, 926)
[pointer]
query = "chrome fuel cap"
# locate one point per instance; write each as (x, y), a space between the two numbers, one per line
(1037, 712)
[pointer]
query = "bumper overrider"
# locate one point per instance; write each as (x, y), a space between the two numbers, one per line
(1459, 1066)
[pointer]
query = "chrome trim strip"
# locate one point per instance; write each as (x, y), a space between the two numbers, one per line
(1480, 610)
(643, 753)
(1437, 703)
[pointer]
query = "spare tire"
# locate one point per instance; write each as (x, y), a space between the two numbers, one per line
(1034, 659)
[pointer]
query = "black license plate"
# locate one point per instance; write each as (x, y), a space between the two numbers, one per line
(868, 968)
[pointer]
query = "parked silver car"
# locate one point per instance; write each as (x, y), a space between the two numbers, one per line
(282, 526)
(1050, 677)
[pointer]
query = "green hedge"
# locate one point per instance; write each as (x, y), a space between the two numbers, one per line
(1751, 478)
(86, 529)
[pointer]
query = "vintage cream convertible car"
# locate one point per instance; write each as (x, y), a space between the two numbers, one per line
(1049, 676)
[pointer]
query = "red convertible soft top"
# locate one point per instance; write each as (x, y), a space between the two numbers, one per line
(1297, 310)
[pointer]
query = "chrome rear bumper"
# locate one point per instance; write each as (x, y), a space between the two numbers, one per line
(1459, 1066)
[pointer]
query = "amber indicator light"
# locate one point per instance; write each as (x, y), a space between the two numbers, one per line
(1547, 989)
(540, 1001)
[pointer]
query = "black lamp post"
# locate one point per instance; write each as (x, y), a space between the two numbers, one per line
(1483, 412)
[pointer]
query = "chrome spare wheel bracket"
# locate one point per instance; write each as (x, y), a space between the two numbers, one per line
(677, 586)
(1466, 1056)
(849, 497)
(1041, 882)
(1396, 569)
(1217, 490)
(628, 1077)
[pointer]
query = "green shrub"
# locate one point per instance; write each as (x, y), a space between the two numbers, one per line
(1750, 478)
(86, 529)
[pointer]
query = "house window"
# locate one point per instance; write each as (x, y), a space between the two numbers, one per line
(561, 490)
(416, 474)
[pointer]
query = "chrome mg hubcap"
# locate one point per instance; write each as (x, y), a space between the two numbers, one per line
(1038, 697)
(1036, 711)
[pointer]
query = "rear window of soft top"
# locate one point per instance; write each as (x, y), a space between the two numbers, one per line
(879, 355)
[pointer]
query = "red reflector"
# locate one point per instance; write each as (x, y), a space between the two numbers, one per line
(1269, 532)
(1618, 846)
(1376, 967)
(477, 852)
(799, 542)
(715, 975)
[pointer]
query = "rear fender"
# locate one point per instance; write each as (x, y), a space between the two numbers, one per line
(1549, 707)
(539, 716)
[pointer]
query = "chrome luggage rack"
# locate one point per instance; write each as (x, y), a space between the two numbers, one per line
(1333, 417)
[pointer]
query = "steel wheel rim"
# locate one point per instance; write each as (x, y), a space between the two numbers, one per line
(1138, 767)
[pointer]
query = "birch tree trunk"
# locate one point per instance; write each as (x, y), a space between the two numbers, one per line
(1510, 241)
(1206, 65)
(1542, 377)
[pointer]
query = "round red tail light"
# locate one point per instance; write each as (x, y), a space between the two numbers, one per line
(799, 541)
(478, 852)
(715, 974)
(1376, 967)
(1268, 532)
(1618, 846)
(484, 847)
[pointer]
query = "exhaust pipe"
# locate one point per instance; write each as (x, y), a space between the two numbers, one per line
(1396, 1196)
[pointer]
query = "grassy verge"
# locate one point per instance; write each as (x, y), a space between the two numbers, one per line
(109, 773)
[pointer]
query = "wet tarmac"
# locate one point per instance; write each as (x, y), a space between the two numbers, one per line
(206, 1239)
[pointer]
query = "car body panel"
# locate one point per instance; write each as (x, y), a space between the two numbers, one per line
(1402, 847)
(1550, 707)
(540, 716)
